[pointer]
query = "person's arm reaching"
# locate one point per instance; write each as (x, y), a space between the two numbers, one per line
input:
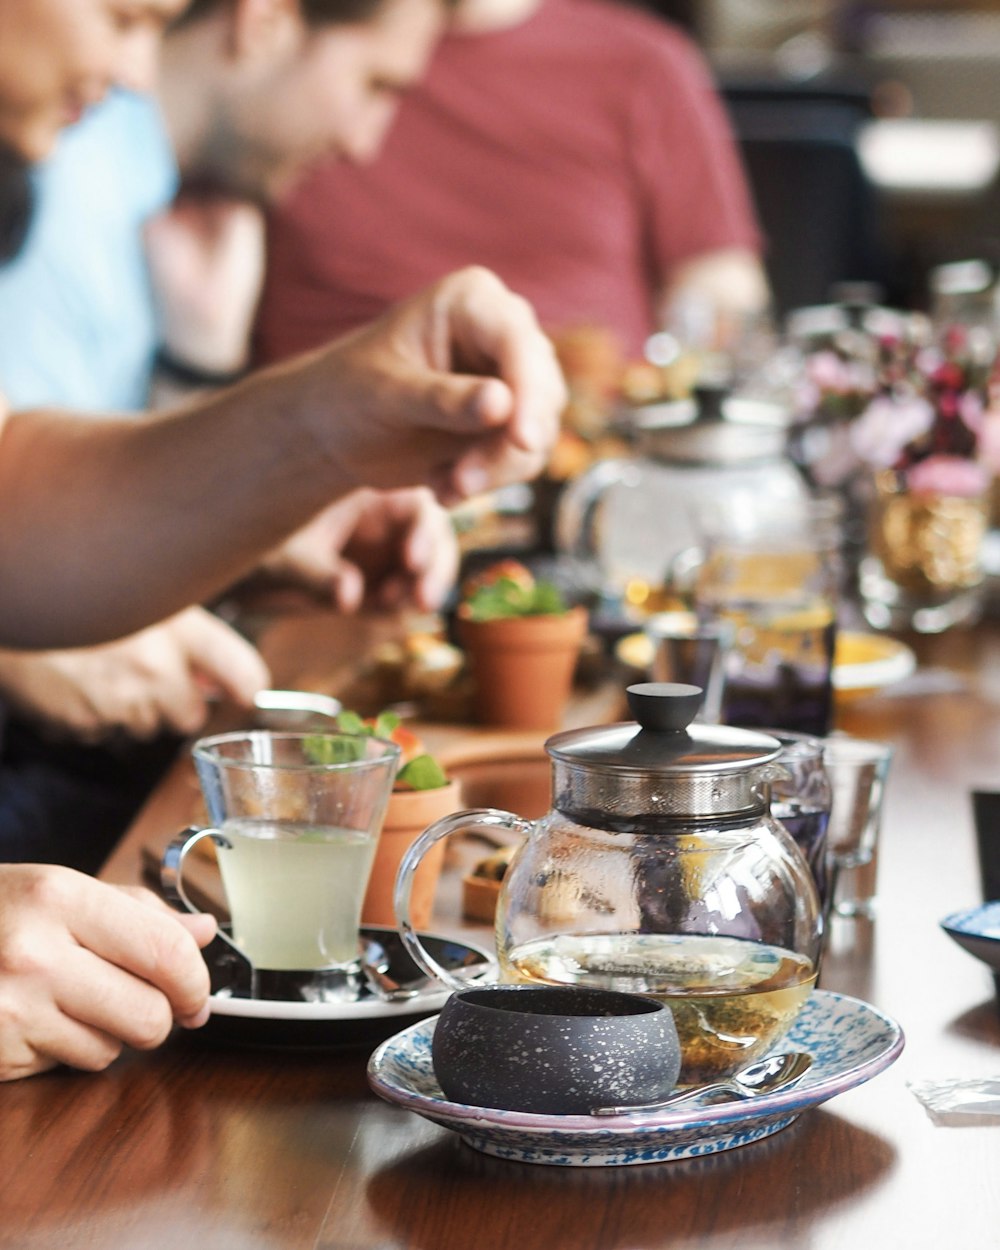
(159, 679)
(107, 526)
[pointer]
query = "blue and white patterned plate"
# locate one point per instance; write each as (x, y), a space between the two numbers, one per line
(849, 1041)
(977, 931)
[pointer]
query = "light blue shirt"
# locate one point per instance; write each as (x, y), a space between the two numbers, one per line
(78, 325)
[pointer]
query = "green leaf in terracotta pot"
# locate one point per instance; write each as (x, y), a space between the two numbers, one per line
(385, 724)
(352, 723)
(506, 597)
(333, 748)
(423, 772)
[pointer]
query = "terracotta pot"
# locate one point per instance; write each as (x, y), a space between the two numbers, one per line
(523, 667)
(407, 816)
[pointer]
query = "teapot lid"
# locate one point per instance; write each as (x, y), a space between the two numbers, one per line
(712, 426)
(661, 764)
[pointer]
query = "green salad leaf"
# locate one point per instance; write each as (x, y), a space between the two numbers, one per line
(333, 748)
(506, 597)
(423, 772)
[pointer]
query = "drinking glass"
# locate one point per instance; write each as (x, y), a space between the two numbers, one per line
(774, 574)
(295, 819)
(801, 800)
(690, 652)
(858, 770)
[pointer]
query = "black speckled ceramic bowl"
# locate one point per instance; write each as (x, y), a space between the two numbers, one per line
(554, 1050)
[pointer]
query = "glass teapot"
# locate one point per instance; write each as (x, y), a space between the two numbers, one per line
(625, 521)
(660, 870)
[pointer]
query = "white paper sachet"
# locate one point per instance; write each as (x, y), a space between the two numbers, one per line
(960, 1103)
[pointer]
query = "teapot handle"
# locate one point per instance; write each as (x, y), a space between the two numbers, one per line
(484, 817)
(577, 514)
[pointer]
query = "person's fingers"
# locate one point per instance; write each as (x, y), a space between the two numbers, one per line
(217, 652)
(111, 1002)
(59, 1038)
(347, 586)
(142, 940)
(489, 464)
(202, 926)
(35, 1034)
(431, 556)
(458, 403)
(500, 334)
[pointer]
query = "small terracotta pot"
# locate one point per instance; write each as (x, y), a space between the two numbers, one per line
(407, 816)
(523, 666)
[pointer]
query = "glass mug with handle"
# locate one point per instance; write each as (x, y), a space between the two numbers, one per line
(295, 819)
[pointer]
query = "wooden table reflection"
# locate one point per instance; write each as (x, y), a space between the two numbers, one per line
(191, 1147)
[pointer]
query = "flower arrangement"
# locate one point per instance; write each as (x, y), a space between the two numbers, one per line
(923, 407)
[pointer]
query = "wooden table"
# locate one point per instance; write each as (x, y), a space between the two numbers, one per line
(190, 1148)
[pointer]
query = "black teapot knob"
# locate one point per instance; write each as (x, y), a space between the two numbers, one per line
(711, 401)
(664, 706)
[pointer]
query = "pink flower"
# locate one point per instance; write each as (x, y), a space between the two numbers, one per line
(989, 439)
(834, 376)
(948, 475)
(970, 409)
(885, 427)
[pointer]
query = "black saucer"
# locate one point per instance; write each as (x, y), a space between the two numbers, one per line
(351, 1017)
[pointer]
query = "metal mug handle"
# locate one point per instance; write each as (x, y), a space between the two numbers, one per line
(481, 818)
(172, 874)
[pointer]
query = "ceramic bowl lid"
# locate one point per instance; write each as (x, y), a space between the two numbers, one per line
(660, 764)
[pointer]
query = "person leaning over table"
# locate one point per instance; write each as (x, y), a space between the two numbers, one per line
(457, 388)
(249, 99)
(576, 147)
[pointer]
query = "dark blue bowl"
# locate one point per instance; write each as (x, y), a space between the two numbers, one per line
(554, 1050)
(977, 930)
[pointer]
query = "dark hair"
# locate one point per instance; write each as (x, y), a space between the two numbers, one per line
(16, 202)
(315, 12)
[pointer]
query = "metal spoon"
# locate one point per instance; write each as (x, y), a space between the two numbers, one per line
(375, 970)
(294, 710)
(762, 1077)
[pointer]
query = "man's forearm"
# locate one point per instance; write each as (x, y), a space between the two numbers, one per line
(107, 527)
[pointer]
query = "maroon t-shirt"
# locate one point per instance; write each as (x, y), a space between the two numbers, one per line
(580, 155)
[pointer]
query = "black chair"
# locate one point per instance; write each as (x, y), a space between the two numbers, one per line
(819, 213)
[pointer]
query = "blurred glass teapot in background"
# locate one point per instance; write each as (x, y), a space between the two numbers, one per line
(659, 870)
(625, 521)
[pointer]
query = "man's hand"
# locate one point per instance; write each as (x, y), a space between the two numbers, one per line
(87, 968)
(380, 549)
(206, 257)
(158, 679)
(457, 388)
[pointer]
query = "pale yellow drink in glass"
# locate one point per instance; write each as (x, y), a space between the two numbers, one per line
(295, 891)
